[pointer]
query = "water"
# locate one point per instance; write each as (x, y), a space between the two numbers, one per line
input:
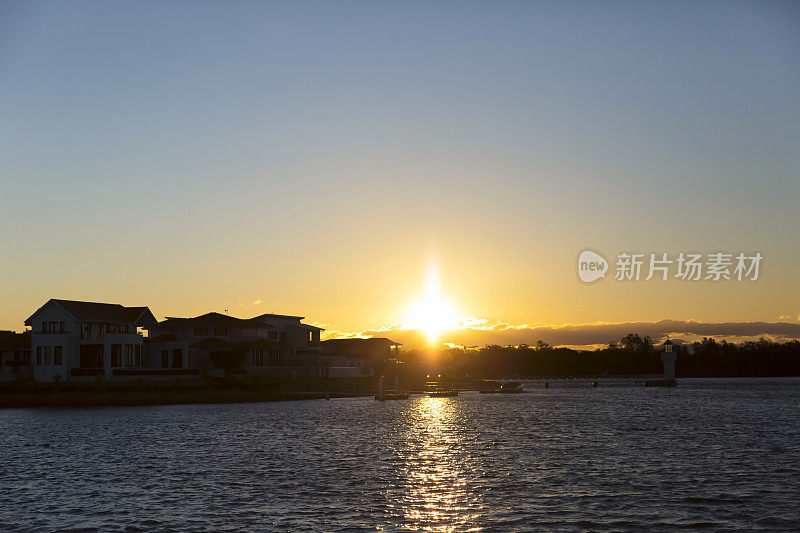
(721, 454)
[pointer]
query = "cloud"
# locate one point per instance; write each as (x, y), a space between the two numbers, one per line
(589, 335)
(256, 302)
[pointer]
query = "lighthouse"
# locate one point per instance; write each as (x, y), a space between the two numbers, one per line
(668, 358)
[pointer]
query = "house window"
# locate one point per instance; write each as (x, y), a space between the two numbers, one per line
(61, 327)
(116, 355)
(272, 335)
(39, 356)
(177, 358)
(138, 356)
(86, 331)
(275, 357)
(91, 356)
(129, 355)
(58, 355)
(220, 332)
(164, 358)
(258, 357)
(201, 332)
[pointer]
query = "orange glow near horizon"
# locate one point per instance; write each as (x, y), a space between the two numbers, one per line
(432, 313)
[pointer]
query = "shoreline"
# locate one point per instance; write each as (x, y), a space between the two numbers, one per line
(16, 400)
(43, 398)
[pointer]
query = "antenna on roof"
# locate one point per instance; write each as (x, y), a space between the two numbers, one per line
(226, 311)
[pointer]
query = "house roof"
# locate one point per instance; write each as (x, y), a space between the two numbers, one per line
(380, 341)
(270, 315)
(209, 320)
(10, 340)
(372, 347)
(101, 312)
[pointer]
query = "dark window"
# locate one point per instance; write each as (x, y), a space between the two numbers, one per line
(116, 355)
(138, 355)
(200, 332)
(39, 356)
(275, 357)
(91, 356)
(164, 358)
(129, 355)
(58, 355)
(61, 327)
(86, 331)
(177, 358)
(220, 332)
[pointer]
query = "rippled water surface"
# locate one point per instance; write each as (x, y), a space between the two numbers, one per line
(722, 454)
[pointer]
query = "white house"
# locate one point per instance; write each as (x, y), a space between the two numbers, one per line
(76, 341)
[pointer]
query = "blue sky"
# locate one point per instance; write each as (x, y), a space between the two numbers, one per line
(194, 156)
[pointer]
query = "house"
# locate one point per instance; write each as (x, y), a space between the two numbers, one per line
(357, 357)
(77, 341)
(267, 345)
(15, 355)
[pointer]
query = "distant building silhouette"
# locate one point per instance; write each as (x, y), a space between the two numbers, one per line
(357, 357)
(15, 355)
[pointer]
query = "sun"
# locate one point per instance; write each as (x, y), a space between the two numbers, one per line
(432, 313)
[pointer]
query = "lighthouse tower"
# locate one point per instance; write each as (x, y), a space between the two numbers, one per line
(668, 358)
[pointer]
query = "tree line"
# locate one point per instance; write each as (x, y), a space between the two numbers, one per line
(630, 356)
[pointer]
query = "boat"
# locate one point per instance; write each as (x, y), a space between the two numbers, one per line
(395, 396)
(442, 393)
(511, 387)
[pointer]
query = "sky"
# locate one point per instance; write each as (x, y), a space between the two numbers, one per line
(323, 158)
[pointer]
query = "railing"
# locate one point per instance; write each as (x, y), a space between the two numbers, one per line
(156, 372)
(87, 371)
(16, 362)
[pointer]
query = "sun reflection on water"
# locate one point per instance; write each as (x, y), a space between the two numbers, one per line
(437, 497)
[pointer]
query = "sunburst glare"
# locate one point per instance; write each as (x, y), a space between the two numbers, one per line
(432, 313)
